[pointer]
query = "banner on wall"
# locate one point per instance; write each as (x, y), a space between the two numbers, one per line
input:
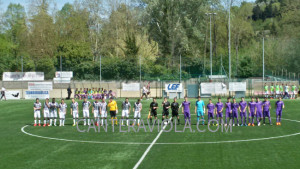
(217, 77)
(62, 80)
(131, 87)
(40, 86)
(25, 76)
(173, 87)
(12, 94)
(37, 94)
(216, 88)
(237, 86)
(64, 74)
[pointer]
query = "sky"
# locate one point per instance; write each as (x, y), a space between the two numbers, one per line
(60, 3)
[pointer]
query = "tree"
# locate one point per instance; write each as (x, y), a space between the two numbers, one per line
(242, 30)
(95, 9)
(115, 32)
(5, 53)
(245, 68)
(42, 39)
(176, 26)
(74, 54)
(257, 13)
(72, 24)
(15, 27)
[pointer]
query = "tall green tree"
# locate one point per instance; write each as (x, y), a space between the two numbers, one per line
(14, 20)
(42, 39)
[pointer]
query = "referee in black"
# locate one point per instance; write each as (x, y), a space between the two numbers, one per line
(175, 109)
(153, 110)
(166, 106)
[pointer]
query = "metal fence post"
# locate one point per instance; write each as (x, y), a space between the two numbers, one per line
(156, 89)
(161, 89)
(120, 89)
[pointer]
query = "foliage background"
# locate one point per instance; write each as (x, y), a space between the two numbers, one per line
(158, 31)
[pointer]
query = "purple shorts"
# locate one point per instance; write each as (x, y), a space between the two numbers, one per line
(259, 114)
(210, 114)
(266, 114)
(243, 114)
(219, 114)
(228, 114)
(278, 112)
(235, 114)
(187, 115)
(251, 114)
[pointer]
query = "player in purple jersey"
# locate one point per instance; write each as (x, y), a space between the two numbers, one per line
(243, 111)
(186, 106)
(219, 111)
(279, 107)
(228, 110)
(252, 111)
(210, 111)
(266, 110)
(259, 114)
(235, 107)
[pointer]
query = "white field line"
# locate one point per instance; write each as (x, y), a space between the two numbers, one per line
(80, 141)
(185, 143)
(149, 148)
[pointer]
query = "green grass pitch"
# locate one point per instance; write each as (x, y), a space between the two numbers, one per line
(19, 150)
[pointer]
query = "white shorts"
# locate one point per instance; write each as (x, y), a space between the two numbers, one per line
(266, 92)
(46, 114)
(53, 114)
(137, 114)
(62, 115)
(125, 113)
(86, 113)
(37, 114)
(103, 114)
(96, 113)
(75, 114)
(295, 92)
(277, 92)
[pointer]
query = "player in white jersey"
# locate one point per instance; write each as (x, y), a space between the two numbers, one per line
(86, 110)
(137, 112)
(96, 110)
(46, 113)
(74, 111)
(126, 111)
(62, 112)
(103, 111)
(53, 112)
(37, 112)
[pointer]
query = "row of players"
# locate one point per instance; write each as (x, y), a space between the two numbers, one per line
(281, 90)
(257, 109)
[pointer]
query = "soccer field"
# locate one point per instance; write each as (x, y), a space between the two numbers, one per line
(65, 147)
